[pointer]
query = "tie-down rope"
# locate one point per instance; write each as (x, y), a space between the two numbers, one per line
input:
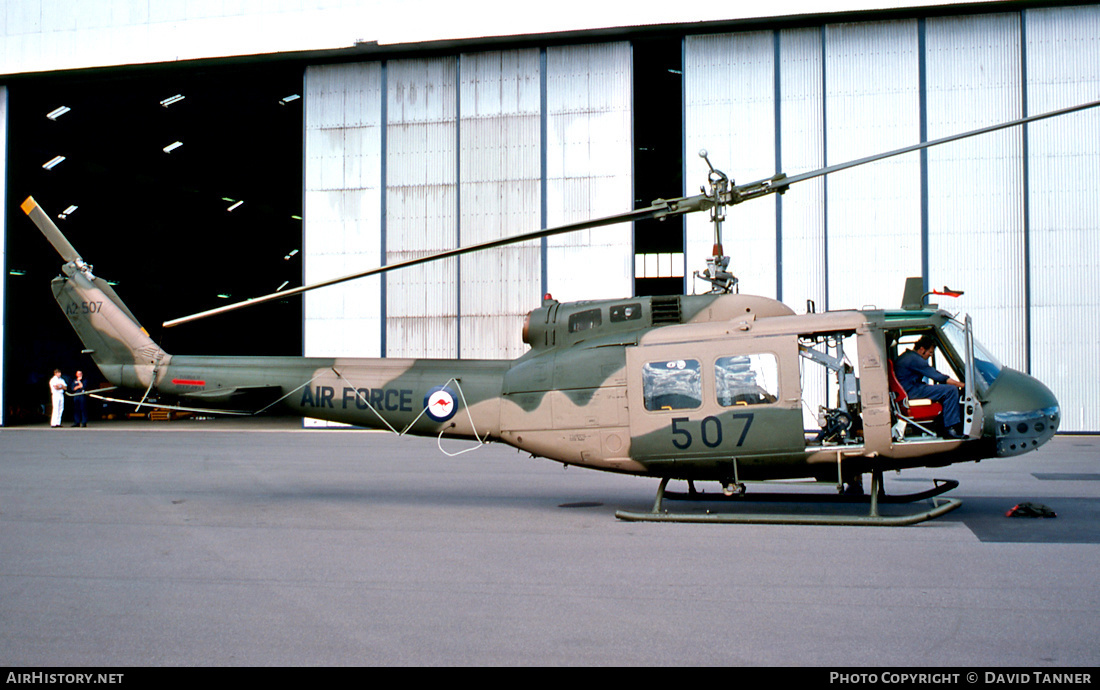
(439, 439)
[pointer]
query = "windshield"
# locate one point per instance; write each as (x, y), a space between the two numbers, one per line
(986, 367)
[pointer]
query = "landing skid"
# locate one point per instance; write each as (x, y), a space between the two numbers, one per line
(939, 507)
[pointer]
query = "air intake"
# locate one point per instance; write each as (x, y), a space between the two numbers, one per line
(666, 309)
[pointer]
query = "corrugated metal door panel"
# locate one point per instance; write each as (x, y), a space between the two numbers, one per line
(342, 208)
(421, 302)
(499, 187)
(1063, 48)
(589, 168)
(975, 186)
(362, 93)
(803, 149)
(872, 105)
(324, 105)
(730, 112)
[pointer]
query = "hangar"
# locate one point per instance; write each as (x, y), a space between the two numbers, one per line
(198, 152)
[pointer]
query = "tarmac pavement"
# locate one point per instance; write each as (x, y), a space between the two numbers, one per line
(259, 543)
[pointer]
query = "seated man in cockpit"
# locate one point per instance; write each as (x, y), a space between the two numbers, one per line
(911, 370)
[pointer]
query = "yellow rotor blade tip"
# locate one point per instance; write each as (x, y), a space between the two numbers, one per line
(28, 205)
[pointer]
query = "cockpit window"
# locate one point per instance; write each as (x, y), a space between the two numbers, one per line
(986, 367)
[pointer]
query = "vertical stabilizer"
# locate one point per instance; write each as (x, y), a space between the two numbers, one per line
(105, 326)
(120, 347)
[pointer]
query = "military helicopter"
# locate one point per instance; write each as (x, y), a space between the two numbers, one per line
(706, 387)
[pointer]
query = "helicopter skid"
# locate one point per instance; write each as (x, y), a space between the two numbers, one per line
(939, 506)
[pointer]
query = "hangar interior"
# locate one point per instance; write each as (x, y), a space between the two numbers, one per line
(152, 215)
(393, 152)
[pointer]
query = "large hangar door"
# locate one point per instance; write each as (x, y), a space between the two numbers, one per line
(1019, 237)
(589, 167)
(1063, 57)
(421, 196)
(413, 156)
(343, 208)
(500, 194)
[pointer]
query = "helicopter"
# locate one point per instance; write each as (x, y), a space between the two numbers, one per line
(704, 387)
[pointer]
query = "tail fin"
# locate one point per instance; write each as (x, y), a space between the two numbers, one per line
(116, 341)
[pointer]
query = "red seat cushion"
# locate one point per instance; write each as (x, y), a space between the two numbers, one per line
(919, 410)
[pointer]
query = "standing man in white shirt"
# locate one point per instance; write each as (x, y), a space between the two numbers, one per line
(57, 398)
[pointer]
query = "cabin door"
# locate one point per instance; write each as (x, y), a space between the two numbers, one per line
(715, 400)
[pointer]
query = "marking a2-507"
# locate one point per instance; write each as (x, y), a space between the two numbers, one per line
(75, 308)
(709, 430)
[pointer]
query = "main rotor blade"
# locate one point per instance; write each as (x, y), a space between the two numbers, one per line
(749, 191)
(52, 233)
(658, 209)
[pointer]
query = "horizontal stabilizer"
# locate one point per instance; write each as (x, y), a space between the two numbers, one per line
(255, 394)
(198, 410)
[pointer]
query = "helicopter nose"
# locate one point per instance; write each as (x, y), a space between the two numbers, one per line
(1021, 413)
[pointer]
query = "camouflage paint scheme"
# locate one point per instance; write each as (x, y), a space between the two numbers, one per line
(577, 396)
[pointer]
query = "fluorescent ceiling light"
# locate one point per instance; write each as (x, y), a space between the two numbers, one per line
(234, 206)
(16, 272)
(67, 212)
(172, 99)
(54, 114)
(53, 162)
(285, 283)
(288, 256)
(173, 146)
(288, 99)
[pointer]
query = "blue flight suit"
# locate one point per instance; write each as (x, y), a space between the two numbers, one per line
(911, 369)
(80, 404)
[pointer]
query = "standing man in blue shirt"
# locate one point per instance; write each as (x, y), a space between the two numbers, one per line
(911, 370)
(80, 402)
